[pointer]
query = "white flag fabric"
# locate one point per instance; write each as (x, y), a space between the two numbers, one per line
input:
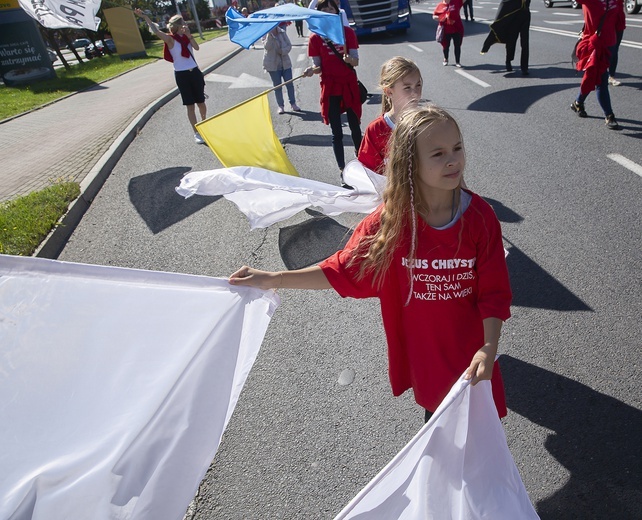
(116, 386)
(458, 467)
(62, 14)
(267, 197)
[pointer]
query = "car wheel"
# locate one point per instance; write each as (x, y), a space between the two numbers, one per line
(631, 7)
(575, 5)
(548, 3)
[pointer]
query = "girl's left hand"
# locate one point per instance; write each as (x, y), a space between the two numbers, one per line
(481, 366)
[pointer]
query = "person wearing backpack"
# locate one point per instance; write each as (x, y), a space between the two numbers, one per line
(178, 49)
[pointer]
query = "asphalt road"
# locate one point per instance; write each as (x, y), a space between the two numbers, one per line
(299, 444)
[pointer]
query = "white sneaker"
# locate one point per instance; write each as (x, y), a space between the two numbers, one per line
(280, 110)
(613, 82)
(198, 139)
(445, 62)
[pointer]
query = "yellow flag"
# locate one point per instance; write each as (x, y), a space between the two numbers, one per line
(243, 136)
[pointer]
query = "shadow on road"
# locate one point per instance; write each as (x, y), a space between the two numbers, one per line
(596, 438)
(518, 100)
(312, 241)
(154, 197)
(533, 287)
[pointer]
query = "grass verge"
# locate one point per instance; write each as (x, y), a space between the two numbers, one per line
(26, 221)
(16, 100)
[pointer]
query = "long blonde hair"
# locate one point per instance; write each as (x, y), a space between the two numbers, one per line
(392, 71)
(401, 197)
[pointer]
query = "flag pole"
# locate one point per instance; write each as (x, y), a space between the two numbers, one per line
(251, 99)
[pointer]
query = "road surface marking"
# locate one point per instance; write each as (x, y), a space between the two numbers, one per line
(415, 48)
(627, 163)
(243, 81)
(472, 78)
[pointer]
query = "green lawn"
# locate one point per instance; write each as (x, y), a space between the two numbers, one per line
(26, 221)
(16, 100)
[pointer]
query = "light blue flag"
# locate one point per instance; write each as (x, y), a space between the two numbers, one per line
(245, 31)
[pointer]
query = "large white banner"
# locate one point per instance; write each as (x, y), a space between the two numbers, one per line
(458, 467)
(116, 386)
(62, 14)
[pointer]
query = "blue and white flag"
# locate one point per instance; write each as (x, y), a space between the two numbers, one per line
(245, 31)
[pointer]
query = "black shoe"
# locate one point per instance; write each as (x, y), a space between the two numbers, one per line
(525, 72)
(578, 108)
(509, 67)
(343, 184)
(611, 123)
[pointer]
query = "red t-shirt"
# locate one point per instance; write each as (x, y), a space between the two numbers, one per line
(460, 278)
(374, 145)
(337, 79)
(593, 11)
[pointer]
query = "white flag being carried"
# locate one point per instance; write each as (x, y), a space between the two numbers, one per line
(63, 14)
(116, 386)
(266, 197)
(458, 467)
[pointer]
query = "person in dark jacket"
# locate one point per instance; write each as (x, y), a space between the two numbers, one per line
(513, 20)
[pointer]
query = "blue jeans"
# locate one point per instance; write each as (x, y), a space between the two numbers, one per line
(614, 52)
(602, 93)
(281, 76)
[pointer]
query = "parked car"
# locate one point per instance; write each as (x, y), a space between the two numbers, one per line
(632, 6)
(95, 51)
(574, 4)
(79, 42)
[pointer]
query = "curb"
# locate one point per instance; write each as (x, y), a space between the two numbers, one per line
(53, 245)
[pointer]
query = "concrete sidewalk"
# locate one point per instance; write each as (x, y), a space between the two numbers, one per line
(82, 136)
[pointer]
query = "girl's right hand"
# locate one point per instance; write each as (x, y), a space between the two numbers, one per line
(255, 278)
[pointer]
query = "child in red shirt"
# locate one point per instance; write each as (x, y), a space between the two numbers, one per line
(433, 255)
(401, 83)
(450, 27)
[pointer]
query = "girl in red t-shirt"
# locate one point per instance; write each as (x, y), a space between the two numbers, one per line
(401, 84)
(450, 27)
(433, 255)
(339, 87)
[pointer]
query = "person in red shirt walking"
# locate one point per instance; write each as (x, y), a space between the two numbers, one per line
(433, 255)
(450, 27)
(593, 53)
(339, 87)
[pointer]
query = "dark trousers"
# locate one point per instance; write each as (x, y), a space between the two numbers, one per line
(523, 43)
(457, 39)
(334, 115)
(299, 27)
(468, 9)
(602, 93)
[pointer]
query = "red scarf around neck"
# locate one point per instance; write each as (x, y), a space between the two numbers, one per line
(184, 41)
